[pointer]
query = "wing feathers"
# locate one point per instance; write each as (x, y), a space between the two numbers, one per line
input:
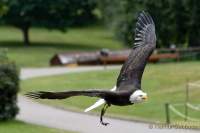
(144, 26)
(67, 94)
(145, 43)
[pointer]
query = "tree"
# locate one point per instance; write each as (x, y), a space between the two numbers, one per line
(3, 8)
(194, 15)
(164, 20)
(170, 17)
(121, 15)
(59, 14)
(177, 21)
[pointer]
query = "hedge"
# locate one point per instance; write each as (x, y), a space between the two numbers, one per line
(9, 87)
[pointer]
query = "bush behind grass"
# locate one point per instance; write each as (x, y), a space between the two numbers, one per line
(9, 87)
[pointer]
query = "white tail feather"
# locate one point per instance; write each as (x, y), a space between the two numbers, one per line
(98, 103)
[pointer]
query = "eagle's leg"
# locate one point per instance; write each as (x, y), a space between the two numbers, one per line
(102, 114)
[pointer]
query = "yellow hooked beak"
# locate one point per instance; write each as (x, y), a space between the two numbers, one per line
(144, 97)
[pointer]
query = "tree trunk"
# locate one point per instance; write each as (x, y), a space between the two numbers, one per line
(25, 31)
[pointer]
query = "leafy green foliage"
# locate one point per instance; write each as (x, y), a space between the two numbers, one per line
(194, 15)
(9, 87)
(121, 17)
(177, 21)
(59, 14)
(3, 8)
(171, 18)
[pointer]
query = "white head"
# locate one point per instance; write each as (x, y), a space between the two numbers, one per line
(138, 96)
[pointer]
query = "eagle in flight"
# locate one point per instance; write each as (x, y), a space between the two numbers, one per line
(128, 87)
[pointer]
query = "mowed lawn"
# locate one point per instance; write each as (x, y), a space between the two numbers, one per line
(21, 127)
(163, 82)
(46, 43)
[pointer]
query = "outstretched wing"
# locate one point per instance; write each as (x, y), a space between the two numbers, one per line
(145, 43)
(67, 94)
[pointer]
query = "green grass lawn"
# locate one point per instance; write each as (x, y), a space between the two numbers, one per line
(163, 82)
(46, 43)
(21, 127)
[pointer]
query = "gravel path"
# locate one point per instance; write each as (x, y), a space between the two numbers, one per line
(40, 114)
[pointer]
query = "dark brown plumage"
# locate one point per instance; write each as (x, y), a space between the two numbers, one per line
(129, 79)
(145, 43)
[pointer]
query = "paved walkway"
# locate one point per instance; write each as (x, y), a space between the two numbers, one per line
(39, 72)
(40, 114)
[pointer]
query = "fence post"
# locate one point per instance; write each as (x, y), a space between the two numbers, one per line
(167, 113)
(186, 100)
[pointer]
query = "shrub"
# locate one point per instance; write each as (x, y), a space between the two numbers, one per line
(9, 87)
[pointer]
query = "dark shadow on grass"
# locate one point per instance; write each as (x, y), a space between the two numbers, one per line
(63, 46)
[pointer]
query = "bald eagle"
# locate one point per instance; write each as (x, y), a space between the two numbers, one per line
(128, 87)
